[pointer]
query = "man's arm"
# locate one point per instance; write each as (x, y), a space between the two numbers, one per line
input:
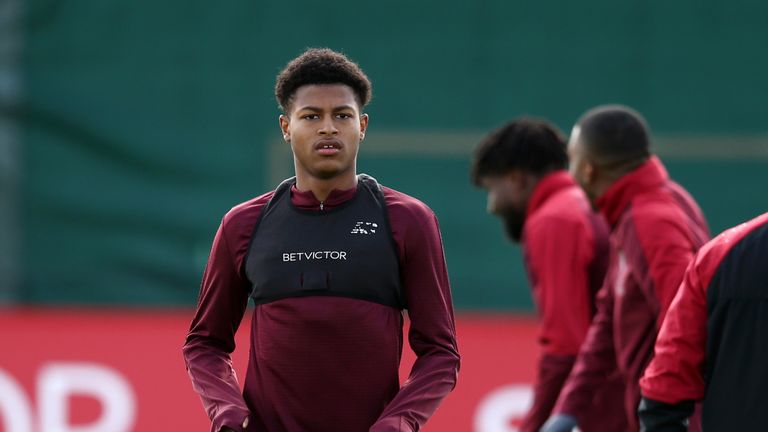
(559, 251)
(667, 249)
(211, 339)
(551, 375)
(432, 333)
(559, 256)
(673, 379)
(596, 360)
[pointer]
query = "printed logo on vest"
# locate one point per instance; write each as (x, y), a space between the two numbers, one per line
(364, 228)
(316, 255)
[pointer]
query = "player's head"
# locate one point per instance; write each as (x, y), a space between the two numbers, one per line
(322, 94)
(509, 162)
(607, 142)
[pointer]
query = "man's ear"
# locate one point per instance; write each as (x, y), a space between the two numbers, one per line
(522, 179)
(363, 125)
(284, 127)
(514, 176)
(590, 172)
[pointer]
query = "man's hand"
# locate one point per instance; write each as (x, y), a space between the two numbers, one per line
(228, 429)
(559, 423)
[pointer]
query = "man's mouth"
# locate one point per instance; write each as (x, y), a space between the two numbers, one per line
(328, 147)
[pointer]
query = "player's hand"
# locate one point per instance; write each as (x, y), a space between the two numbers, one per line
(559, 423)
(229, 429)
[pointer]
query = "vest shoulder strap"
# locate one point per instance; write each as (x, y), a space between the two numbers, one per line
(284, 186)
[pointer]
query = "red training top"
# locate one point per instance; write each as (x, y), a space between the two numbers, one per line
(656, 227)
(313, 389)
(565, 245)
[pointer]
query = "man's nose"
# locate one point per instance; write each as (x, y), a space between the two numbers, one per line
(328, 127)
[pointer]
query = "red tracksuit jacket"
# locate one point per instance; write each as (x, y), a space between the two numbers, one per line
(565, 246)
(714, 341)
(656, 227)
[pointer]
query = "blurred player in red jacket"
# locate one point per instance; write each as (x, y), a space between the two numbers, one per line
(565, 246)
(712, 345)
(656, 227)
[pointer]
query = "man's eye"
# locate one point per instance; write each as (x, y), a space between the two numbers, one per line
(310, 117)
(344, 116)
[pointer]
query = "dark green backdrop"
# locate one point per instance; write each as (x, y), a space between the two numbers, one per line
(142, 123)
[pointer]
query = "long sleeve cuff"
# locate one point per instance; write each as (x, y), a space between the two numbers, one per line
(391, 424)
(233, 417)
(656, 416)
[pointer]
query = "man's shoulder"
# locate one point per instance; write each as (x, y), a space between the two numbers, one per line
(659, 221)
(402, 205)
(662, 203)
(567, 208)
(653, 216)
(246, 213)
(713, 251)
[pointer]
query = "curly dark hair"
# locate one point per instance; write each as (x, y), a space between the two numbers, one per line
(526, 144)
(321, 66)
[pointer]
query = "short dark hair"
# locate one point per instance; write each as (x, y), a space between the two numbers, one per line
(615, 135)
(321, 66)
(528, 144)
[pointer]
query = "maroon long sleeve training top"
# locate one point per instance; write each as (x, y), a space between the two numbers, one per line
(656, 228)
(298, 376)
(565, 245)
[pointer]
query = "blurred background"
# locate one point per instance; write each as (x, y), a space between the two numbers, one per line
(128, 129)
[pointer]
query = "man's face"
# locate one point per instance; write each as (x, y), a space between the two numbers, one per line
(324, 127)
(508, 196)
(580, 167)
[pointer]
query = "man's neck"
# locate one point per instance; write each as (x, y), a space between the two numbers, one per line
(598, 190)
(321, 188)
